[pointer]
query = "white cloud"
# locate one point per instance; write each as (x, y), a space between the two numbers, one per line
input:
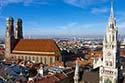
(77, 3)
(83, 3)
(25, 2)
(74, 28)
(69, 25)
(68, 29)
(99, 10)
(4, 3)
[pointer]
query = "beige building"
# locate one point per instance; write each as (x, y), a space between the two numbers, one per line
(109, 65)
(37, 50)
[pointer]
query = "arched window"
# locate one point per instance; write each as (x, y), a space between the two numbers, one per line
(45, 60)
(25, 57)
(51, 60)
(110, 38)
(110, 63)
(37, 59)
(41, 59)
(33, 58)
(29, 58)
(57, 58)
(18, 57)
(22, 57)
(113, 38)
(106, 63)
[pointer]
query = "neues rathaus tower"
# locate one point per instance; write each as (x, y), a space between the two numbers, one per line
(110, 70)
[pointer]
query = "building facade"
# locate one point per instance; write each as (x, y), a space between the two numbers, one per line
(37, 50)
(109, 71)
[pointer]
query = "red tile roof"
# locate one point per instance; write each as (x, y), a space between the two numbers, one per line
(61, 76)
(48, 79)
(122, 53)
(100, 54)
(52, 78)
(32, 46)
(2, 51)
(57, 63)
(84, 62)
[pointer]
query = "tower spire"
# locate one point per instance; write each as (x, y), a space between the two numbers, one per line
(112, 11)
(76, 74)
(112, 17)
(112, 21)
(111, 53)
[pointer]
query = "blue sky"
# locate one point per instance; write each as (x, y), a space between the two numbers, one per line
(62, 17)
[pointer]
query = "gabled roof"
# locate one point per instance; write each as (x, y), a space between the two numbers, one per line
(36, 46)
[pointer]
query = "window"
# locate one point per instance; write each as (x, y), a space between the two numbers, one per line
(110, 63)
(25, 57)
(110, 38)
(29, 58)
(18, 57)
(112, 46)
(106, 63)
(57, 58)
(41, 59)
(113, 38)
(22, 57)
(45, 60)
(37, 59)
(51, 60)
(111, 26)
(33, 58)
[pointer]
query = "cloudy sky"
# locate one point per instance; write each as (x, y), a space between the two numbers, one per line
(62, 17)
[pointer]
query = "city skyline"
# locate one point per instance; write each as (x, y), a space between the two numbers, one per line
(62, 18)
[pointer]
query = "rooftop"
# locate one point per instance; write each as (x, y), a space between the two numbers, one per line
(36, 46)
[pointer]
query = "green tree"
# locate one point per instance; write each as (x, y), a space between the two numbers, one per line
(108, 81)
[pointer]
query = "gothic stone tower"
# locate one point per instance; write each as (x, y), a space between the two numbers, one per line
(76, 74)
(109, 70)
(9, 37)
(18, 32)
